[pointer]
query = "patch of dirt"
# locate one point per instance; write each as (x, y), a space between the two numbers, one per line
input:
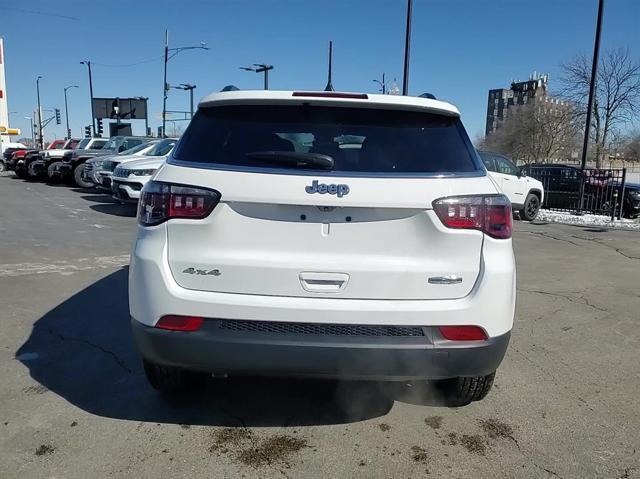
(44, 449)
(74, 424)
(434, 422)
(495, 429)
(418, 454)
(472, 443)
(272, 450)
(185, 426)
(475, 444)
(229, 437)
(384, 427)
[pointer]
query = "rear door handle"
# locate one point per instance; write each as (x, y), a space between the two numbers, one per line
(318, 282)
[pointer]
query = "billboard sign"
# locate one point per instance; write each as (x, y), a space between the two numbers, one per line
(122, 108)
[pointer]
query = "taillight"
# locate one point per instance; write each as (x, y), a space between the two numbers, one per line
(160, 202)
(463, 333)
(180, 323)
(489, 214)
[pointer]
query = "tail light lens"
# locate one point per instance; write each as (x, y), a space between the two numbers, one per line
(489, 214)
(180, 323)
(463, 333)
(160, 202)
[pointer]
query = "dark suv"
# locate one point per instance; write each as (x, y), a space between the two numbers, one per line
(72, 166)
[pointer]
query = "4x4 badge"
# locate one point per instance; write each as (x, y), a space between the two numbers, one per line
(322, 188)
(203, 272)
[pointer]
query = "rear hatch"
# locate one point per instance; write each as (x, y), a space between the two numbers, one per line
(289, 224)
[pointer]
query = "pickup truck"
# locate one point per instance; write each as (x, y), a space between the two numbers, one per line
(43, 166)
(72, 167)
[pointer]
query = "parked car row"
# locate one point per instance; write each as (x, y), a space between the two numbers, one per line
(93, 162)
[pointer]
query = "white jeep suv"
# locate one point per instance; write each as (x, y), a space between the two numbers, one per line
(323, 234)
(526, 194)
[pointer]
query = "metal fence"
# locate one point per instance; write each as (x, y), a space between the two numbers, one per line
(602, 190)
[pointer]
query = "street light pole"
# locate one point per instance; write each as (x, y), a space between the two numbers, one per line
(93, 120)
(168, 57)
(383, 85)
(260, 68)
(33, 136)
(407, 45)
(66, 109)
(40, 139)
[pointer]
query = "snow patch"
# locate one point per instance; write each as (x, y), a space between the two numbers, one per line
(586, 220)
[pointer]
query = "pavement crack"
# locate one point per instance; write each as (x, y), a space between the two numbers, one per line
(548, 471)
(617, 250)
(108, 352)
(583, 299)
(547, 235)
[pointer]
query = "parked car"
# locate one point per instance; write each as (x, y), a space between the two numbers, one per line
(631, 202)
(563, 183)
(52, 158)
(257, 254)
(37, 167)
(21, 165)
(4, 145)
(130, 176)
(72, 168)
(525, 193)
(94, 167)
(7, 162)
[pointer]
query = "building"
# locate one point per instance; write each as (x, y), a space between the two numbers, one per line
(500, 100)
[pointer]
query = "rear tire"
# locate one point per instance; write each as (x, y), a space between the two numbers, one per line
(80, 181)
(462, 391)
(531, 207)
(170, 380)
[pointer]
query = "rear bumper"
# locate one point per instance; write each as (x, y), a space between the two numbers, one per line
(219, 349)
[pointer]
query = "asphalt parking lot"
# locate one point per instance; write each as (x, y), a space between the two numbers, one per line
(74, 402)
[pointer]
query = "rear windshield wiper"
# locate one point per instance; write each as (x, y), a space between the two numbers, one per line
(296, 158)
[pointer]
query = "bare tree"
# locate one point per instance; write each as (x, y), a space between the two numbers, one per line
(537, 132)
(617, 94)
(632, 147)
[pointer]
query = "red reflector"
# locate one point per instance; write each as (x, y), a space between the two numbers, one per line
(463, 333)
(180, 323)
(329, 94)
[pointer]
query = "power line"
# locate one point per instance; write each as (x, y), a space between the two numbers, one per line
(38, 12)
(125, 65)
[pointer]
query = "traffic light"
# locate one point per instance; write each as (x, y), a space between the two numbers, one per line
(58, 121)
(100, 129)
(87, 131)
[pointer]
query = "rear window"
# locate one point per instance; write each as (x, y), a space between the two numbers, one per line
(360, 141)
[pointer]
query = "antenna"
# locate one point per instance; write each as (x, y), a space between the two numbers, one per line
(329, 86)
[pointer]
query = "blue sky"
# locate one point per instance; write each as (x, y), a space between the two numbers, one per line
(460, 48)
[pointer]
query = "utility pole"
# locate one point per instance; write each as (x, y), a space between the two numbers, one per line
(164, 83)
(66, 110)
(40, 139)
(329, 86)
(407, 45)
(93, 120)
(592, 88)
(260, 68)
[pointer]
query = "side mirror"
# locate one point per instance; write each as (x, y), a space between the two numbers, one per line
(121, 148)
(521, 173)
